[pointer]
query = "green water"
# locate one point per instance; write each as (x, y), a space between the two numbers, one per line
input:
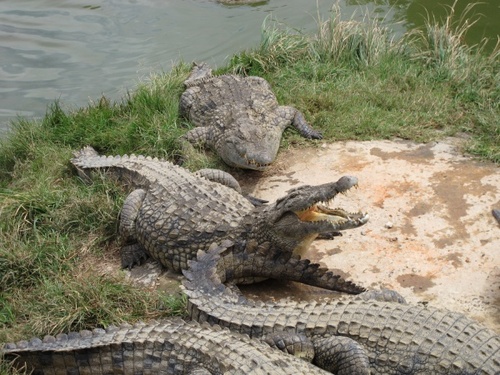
(486, 16)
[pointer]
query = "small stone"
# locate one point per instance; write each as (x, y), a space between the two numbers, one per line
(389, 225)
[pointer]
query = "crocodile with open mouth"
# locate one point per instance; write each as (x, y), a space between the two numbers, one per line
(172, 213)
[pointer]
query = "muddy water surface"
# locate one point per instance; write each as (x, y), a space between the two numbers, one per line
(76, 50)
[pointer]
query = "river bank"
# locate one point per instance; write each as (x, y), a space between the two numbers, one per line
(59, 268)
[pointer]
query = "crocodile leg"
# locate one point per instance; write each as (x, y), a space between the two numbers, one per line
(128, 214)
(337, 354)
(216, 175)
(341, 355)
(299, 122)
(224, 178)
(291, 343)
(200, 136)
(132, 252)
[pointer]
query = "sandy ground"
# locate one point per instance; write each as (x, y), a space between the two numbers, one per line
(431, 235)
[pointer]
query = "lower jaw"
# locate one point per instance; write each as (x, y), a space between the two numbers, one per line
(254, 167)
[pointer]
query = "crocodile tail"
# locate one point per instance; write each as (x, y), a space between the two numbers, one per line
(88, 157)
(87, 151)
(60, 354)
(134, 170)
(202, 271)
(203, 281)
(303, 271)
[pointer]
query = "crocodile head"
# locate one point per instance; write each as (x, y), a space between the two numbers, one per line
(296, 219)
(249, 147)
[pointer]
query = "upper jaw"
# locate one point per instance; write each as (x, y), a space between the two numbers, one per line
(306, 196)
(310, 204)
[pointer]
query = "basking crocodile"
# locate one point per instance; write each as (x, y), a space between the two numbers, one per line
(174, 213)
(377, 334)
(169, 347)
(238, 117)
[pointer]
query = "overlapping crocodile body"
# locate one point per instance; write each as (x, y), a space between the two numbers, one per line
(169, 347)
(376, 333)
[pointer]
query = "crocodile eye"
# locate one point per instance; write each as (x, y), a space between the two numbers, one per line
(234, 144)
(231, 140)
(241, 150)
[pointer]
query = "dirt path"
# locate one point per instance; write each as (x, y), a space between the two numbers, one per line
(431, 234)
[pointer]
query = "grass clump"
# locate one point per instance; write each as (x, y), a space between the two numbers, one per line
(145, 121)
(351, 43)
(471, 76)
(58, 247)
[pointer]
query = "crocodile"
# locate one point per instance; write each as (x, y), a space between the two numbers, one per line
(173, 213)
(496, 215)
(375, 332)
(238, 117)
(168, 347)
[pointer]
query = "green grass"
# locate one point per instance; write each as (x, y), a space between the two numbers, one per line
(59, 256)
(355, 82)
